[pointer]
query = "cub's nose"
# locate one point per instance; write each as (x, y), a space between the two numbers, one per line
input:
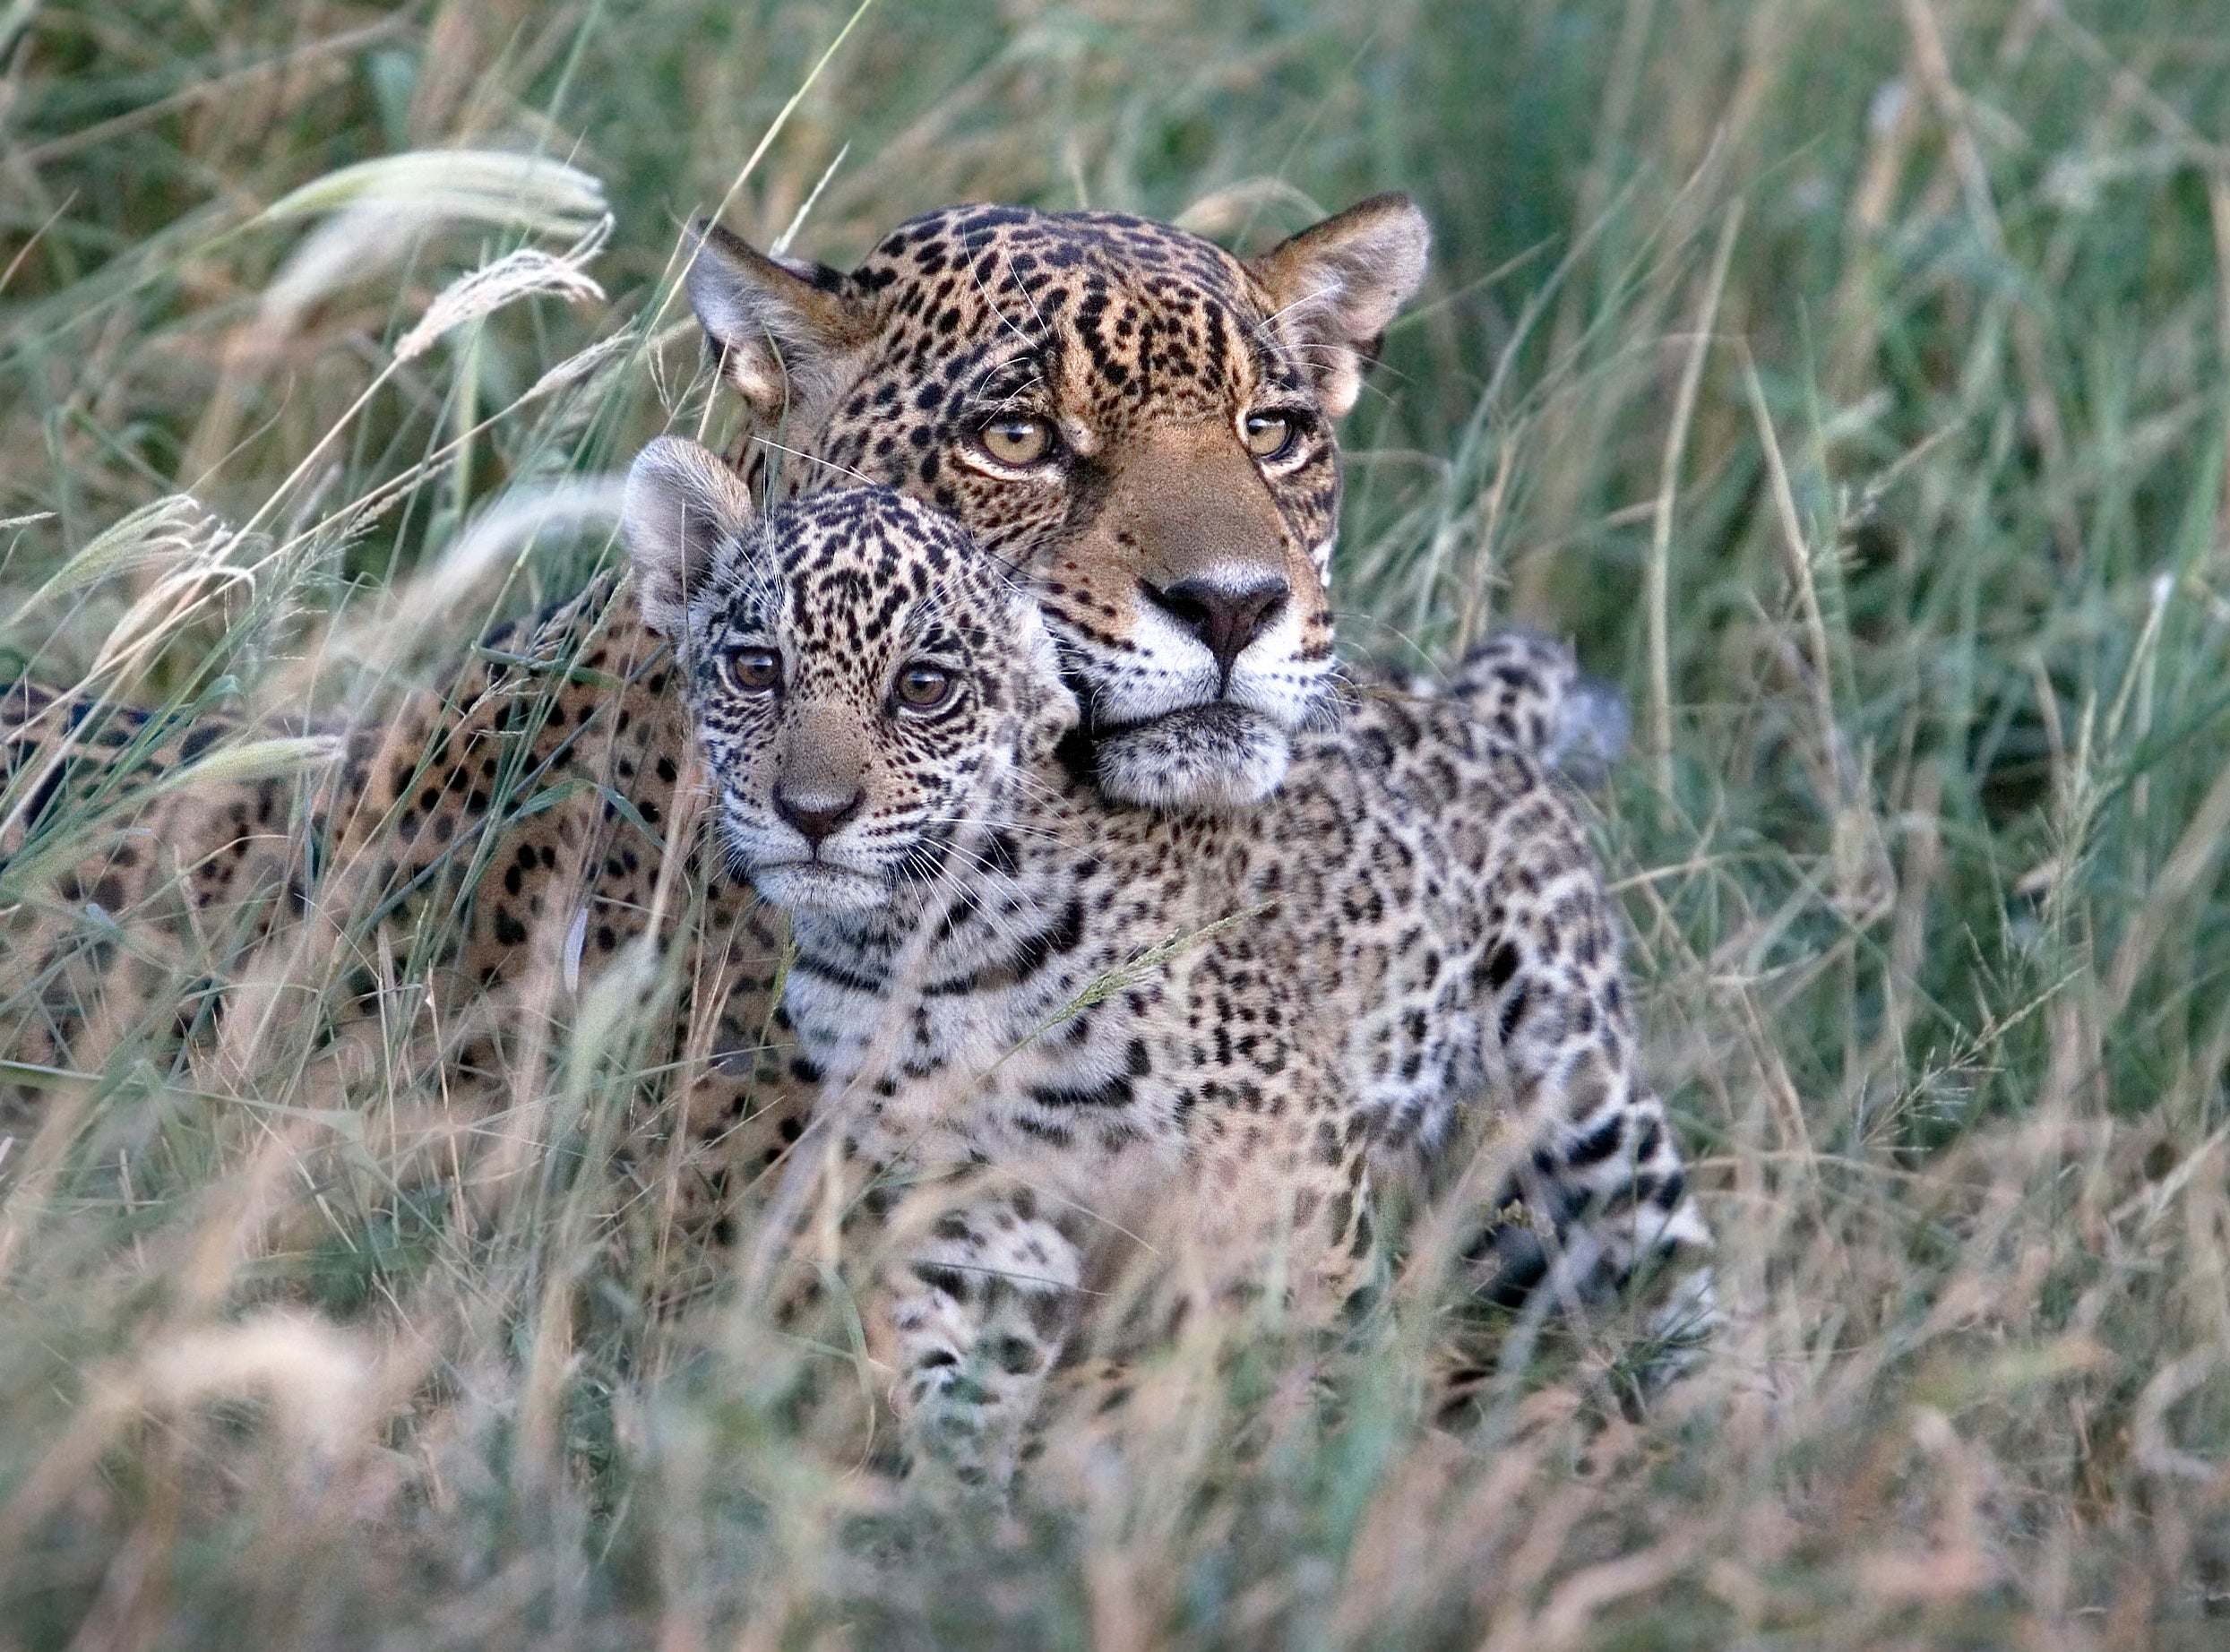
(815, 816)
(1224, 618)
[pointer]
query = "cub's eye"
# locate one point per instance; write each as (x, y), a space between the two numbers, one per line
(924, 687)
(1016, 439)
(752, 671)
(1268, 434)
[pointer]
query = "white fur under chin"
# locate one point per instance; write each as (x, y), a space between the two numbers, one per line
(803, 886)
(1218, 758)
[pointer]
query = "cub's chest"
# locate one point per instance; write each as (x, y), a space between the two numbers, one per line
(1083, 1017)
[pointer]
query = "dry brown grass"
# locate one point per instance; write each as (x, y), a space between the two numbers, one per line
(1849, 380)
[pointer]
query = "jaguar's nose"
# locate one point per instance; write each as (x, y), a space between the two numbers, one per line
(815, 816)
(1224, 618)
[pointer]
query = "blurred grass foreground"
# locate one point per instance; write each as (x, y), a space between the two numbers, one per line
(1852, 382)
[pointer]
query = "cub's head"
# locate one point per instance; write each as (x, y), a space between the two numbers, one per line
(1137, 421)
(867, 683)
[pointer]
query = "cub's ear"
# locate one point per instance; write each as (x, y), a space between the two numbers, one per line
(782, 334)
(681, 505)
(1334, 287)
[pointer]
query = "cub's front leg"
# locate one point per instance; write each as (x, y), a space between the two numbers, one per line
(978, 1298)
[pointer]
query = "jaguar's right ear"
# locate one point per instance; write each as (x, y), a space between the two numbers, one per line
(681, 505)
(784, 333)
(1335, 287)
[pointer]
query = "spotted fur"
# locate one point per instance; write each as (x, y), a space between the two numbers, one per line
(508, 826)
(1192, 1026)
(505, 830)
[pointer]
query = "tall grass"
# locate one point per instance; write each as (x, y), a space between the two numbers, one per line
(1850, 381)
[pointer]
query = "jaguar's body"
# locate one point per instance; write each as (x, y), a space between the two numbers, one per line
(1199, 1031)
(1137, 420)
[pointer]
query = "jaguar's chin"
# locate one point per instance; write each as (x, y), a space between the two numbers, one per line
(1217, 757)
(815, 886)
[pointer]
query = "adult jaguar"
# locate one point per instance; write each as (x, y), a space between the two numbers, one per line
(1135, 418)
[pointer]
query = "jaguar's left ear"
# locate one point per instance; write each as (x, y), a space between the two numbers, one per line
(1335, 288)
(787, 336)
(681, 504)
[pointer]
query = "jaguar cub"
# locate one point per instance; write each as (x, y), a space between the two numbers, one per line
(1203, 1031)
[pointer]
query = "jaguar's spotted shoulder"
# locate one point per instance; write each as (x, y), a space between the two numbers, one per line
(1529, 689)
(140, 853)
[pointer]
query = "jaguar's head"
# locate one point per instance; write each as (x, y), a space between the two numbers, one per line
(1138, 421)
(870, 688)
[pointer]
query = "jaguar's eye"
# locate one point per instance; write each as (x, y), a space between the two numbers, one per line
(1016, 439)
(1268, 434)
(752, 671)
(924, 687)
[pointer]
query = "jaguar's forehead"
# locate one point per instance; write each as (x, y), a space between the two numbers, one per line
(985, 240)
(854, 568)
(1098, 304)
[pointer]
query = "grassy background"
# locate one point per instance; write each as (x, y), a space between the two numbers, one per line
(1849, 380)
